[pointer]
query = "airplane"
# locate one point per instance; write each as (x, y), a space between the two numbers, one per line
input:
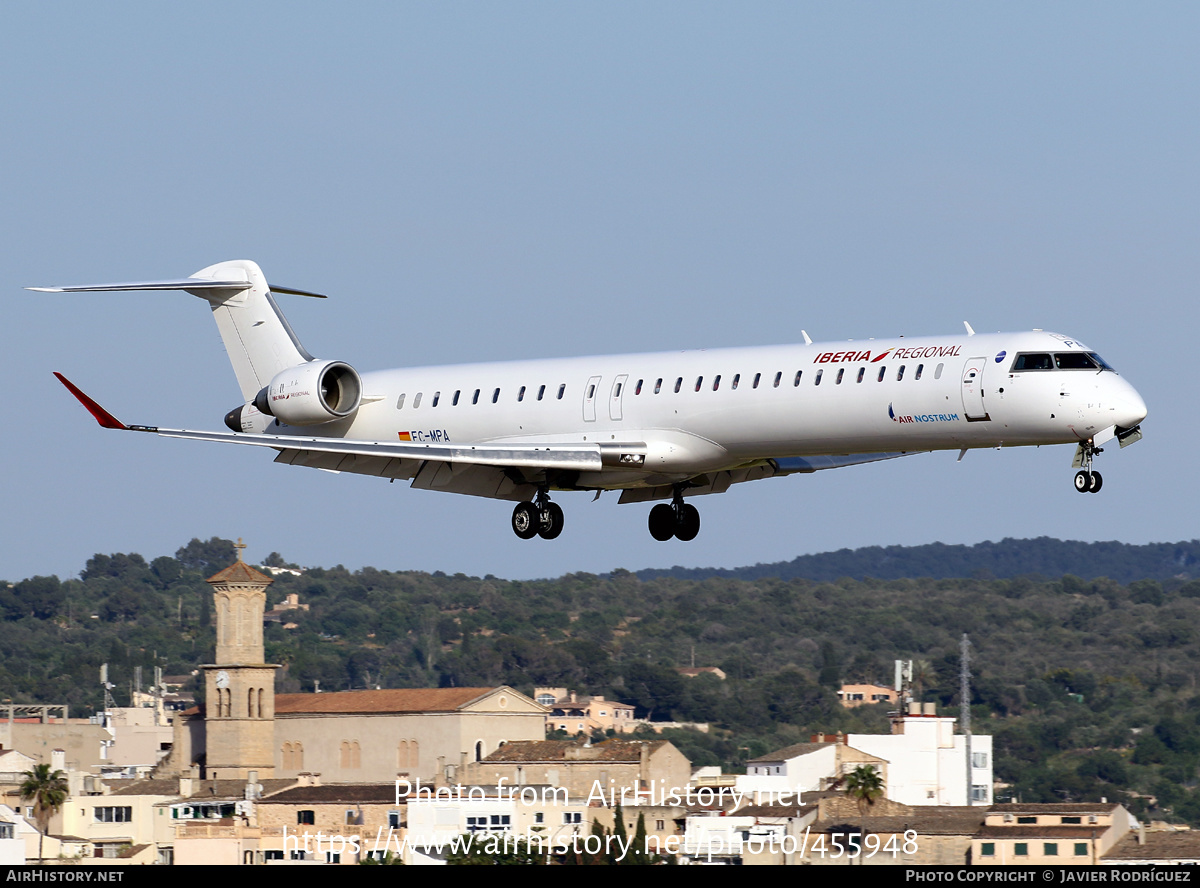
(656, 427)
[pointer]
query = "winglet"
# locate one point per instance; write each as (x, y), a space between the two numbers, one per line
(102, 416)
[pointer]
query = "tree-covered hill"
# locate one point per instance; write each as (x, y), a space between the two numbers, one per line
(1089, 685)
(1008, 558)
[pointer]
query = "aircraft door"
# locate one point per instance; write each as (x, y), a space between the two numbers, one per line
(972, 390)
(589, 399)
(617, 394)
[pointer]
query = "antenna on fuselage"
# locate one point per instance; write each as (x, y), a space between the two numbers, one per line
(807, 338)
(970, 332)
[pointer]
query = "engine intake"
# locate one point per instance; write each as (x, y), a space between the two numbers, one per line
(312, 393)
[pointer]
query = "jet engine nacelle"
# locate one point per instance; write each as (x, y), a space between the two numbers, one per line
(312, 393)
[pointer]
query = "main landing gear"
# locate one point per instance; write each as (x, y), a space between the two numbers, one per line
(539, 518)
(679, 520)
(1087, 481)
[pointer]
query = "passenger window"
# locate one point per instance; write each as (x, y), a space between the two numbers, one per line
(717, 382)
(638, 388)
(841, 373)
(900, 373)
(437, 396)
(521, 394)
(796, 381)
(400, 403)
(917, 375)
(617, 391)
(736, 378)
(937, 371)
(417, 401)
(1032, 362)
(541, 391)
(678, 384)
(495, 396)
(454, 401)
(882, 371)
(778, 376)
(562, 390)
(699, 382)
(817, 379)
(862, 371)
(658, 385)
(757, 377)
(591, 392)
(475, 398)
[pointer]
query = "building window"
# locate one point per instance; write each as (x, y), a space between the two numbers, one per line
(306, 818)
(1050, 849)
(1081, 849)
(570, 817)
(979, 760)
(113, 814)
(978, 793)
(1021, 849)
(1072, 820)
(393, 819)
(987, 849)
(1026, 820)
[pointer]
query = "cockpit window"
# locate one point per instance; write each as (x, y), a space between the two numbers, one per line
(1032, 362)
(1100, 361)
(1074, 361)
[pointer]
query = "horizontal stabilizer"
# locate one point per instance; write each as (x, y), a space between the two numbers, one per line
(190, 283)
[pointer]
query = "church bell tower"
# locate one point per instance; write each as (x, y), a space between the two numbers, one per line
(240, 687)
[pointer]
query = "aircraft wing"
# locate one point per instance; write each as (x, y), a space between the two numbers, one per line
(719, 482)
(567, 457)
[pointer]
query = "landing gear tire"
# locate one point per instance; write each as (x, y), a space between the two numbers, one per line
(551, 521)
(688, 523)
(526, 521)
(1083, 482)
(1097, 483)
(662, 522)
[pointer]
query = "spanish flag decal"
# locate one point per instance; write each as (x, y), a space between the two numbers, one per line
(406, 436)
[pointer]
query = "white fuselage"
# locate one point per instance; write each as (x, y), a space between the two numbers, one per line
(705, 410)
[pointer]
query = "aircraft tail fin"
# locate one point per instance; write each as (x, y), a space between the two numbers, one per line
(257, 336)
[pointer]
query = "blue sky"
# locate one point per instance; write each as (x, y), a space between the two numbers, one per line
(491, 181)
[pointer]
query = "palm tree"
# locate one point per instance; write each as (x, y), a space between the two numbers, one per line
(49, 792)
(864, 784)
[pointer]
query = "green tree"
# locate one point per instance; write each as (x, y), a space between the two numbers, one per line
(864, 784)
(48, 790)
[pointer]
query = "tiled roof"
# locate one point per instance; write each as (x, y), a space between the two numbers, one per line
(927, 821)
(1173, 845)
(159, 787)
(1055, 808)
(336, 793)
(240, 572)
(568, 750)
(789, 752)
(389, 700)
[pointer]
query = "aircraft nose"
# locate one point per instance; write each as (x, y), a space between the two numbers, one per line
(1129, 409)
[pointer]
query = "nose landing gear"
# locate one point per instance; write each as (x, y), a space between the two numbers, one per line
(539, 518)
(679, 520)
(1086, 480)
